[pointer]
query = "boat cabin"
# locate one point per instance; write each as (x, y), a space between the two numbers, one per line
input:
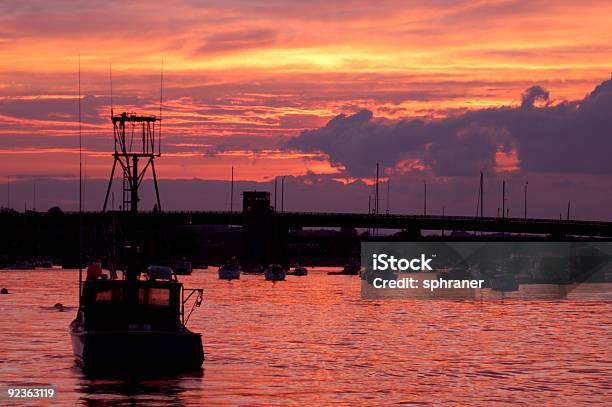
(133, 305)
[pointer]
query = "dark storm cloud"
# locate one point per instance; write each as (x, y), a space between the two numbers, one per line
(534, 94)
(568, 137)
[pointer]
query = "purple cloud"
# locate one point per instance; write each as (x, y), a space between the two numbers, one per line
(569, 137)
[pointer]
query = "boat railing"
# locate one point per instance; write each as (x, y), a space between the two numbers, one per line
(186, 295)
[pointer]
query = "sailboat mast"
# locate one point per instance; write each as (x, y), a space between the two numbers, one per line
(376, 202)
(388, 195)
(232, 198)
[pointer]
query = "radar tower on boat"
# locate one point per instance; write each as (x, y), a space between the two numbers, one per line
(137, 145)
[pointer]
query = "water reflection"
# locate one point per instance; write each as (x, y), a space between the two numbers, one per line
(314, 341)
(140, 389)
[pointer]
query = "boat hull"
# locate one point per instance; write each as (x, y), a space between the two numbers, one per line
(229, 274)
(504, 283)
(183, 268)
(300, 271)
(274, 276)
(183, 271)
(137, 350)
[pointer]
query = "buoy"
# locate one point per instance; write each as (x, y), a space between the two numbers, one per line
(4, 291)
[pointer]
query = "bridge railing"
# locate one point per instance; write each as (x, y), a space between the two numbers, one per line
(446, 218)
(398, 217)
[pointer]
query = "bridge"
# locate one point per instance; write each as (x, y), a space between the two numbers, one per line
(264, 234)
(297, 220)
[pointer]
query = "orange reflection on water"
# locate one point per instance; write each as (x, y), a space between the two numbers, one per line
(313, 341)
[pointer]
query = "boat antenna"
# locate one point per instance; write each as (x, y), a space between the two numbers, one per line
(110, 74)
(161, 98)
(80, 189)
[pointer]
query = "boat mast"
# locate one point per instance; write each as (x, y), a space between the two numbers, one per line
(80, 191)
(161, 98)
(231, 198)
(388, 194)
(376, 201)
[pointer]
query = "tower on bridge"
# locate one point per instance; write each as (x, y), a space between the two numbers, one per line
(136, 147)
(258, 231)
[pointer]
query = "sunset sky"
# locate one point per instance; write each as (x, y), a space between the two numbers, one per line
(435, 90)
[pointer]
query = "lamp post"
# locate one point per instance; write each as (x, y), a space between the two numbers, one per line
(425, 198)
(442, 217)
(503, 198)
(8, 192)
(283, 194)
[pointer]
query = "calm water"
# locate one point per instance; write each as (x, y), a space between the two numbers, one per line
(313, 341)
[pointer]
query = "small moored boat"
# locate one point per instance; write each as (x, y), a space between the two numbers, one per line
(275, 272)
(351, 269)
(183, 268)
(43, 263)
(136, 323)
(299, 271)
(253, 269)
(21, 265)
(505, 282)
(229, 272)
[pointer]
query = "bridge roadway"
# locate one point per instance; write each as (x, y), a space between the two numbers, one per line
(355, 220)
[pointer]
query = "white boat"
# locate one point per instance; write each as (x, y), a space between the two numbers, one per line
(300, 271)
(275, 272)
(229, 272)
